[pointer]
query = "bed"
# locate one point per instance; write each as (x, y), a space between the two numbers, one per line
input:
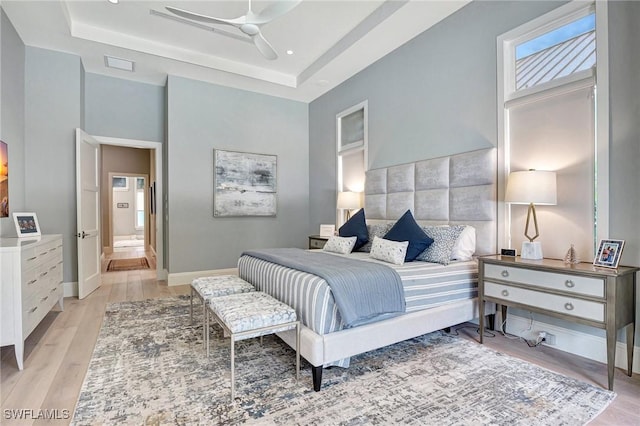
(452, 190)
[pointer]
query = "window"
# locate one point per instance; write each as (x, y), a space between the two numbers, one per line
(120, 183)
(351, 126)
(551, 109)
(140, 190)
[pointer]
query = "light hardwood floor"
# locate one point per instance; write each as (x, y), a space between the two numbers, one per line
(57, 353)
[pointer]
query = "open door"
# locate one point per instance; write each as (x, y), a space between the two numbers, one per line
(88, 212)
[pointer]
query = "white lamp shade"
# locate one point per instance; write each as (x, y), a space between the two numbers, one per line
(531, 186)
(349, 200)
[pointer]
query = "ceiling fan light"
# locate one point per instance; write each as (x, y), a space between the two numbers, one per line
(289, 52)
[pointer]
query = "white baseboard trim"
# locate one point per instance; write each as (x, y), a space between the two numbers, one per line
(574, 342)
(182, 278)
(70, 289)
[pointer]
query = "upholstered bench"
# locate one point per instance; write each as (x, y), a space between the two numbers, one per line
(252, 314)
(216, 286)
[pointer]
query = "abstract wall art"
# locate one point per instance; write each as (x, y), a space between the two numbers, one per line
(244, 184)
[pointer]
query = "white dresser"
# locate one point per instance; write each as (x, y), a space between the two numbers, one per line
(581, 293)
(31, 283)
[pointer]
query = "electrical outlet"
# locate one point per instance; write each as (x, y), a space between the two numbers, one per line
(550, 339)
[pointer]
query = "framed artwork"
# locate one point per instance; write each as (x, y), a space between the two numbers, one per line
(244, 184)
(608, 254)
(4, 180)
(26, 224)
(327, 230)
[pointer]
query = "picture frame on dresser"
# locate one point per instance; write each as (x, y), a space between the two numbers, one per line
(608, 253)
(26, 224)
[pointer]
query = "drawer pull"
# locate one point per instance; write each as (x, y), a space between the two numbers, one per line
(568, 306)
(44, 253)
(53, 289)
(32, 258)
(569, 284)
(53, 249)
(31, 282)
(504, 273)
(44, 273)
(44, 298)
(60, 263)
(32, 310)
(52, 268)
(505, 293)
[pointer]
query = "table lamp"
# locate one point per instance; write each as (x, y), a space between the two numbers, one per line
(531, 187)
(348, 201)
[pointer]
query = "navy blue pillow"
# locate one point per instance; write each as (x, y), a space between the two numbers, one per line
(406, 229)
(356, 227)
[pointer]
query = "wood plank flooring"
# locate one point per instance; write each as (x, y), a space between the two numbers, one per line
(58, 352)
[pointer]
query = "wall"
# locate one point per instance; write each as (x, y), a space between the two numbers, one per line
(52, 113)
(204, 116)
(433, 96)
(12, 118)
(118, 159)
(126, 109)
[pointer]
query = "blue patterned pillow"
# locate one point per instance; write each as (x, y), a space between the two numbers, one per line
(406, 229)
(356, 227)
(388, 251)
(375, 230)
(444, 240)
(342, 245)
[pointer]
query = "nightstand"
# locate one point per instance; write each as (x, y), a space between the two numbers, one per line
(317, 242)
(579, 293)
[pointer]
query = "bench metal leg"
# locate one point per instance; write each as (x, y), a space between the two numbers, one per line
(233, 378)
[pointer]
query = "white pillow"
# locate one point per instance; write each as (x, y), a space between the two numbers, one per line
(389, 251)
(465, 246)
(342, 245)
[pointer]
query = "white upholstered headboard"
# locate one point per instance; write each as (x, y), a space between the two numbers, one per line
(457, 189)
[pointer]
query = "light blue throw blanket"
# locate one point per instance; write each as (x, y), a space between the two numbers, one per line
(363, 291)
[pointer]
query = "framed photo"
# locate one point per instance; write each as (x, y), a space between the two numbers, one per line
(26, 224)
(608, 254)
(244, 184)
(4, 180)
(327, 230)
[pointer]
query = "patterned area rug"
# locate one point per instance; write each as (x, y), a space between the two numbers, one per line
(127, 264)
(149, 367)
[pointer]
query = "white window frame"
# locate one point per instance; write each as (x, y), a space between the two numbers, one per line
(362, 145)
(507, 95)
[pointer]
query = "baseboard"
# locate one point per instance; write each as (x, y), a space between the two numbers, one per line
(70, 289)
(574, 342)
(182, 278)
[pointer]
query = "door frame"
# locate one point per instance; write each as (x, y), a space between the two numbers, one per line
(157, 148)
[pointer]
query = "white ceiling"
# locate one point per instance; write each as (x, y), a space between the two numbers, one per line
(331, 40)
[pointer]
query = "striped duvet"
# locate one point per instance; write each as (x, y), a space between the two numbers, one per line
(426, 285)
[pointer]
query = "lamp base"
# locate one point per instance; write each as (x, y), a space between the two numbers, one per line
(531, 250)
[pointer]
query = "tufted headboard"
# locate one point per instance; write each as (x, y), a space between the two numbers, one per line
(457, 189)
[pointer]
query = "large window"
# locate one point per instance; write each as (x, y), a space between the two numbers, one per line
(549, 115)
(351, 135)
(140, 191)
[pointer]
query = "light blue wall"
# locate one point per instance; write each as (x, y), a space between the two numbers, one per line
(204, 116)
(12, 117)
(52, 113)
(124, 109)
(433, 96)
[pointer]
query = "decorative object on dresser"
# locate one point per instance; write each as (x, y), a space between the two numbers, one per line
(579, 293)
(609, 253)
(348, 201)
(26, 225)
(244, 184)
(571, 257)
(317, 241)
(327, 230)
(32, 282)
(531, 187)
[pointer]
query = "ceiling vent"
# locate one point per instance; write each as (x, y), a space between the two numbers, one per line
(118, 63)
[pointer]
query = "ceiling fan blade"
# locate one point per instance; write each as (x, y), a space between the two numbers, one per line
(264, 47)
(204, 18)
(271, 12)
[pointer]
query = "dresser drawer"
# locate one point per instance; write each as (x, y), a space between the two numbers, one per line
(562, 304)
(588, 286)
(315, 243)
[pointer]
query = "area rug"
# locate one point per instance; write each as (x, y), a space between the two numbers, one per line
(149, 367)
(128, 264)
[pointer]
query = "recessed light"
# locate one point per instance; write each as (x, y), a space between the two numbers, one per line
(118, 63)
(113, 1)
(289, 52)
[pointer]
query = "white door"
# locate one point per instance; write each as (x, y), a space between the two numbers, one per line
(88, 213)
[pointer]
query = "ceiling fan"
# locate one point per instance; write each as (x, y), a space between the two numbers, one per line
(249, 23)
